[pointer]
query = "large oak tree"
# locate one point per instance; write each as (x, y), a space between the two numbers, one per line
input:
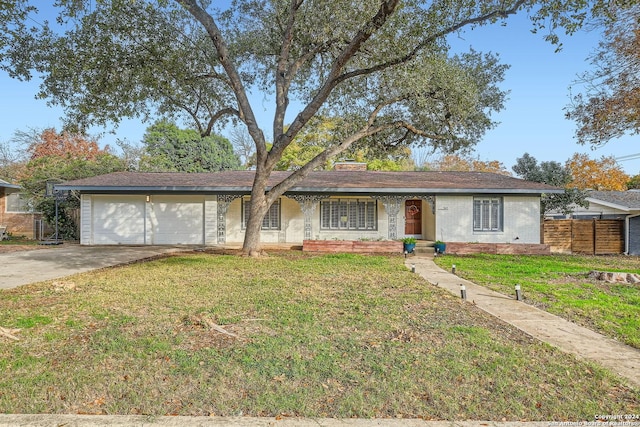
(385, 64)
(608, 105)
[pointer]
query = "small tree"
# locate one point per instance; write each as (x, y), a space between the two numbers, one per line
(60, 157)
(169, 148)
(552, 173)
(50, 143)
(243, 146)
(322, 133)
(590, 174)
(12, 162)
(634, 183)
(453, 162)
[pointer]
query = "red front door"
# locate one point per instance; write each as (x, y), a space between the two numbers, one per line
(413, 217)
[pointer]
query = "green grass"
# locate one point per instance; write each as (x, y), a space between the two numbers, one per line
(316, 336)
(559, 284)
(19, 241)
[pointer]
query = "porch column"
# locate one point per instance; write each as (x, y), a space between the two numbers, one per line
(308, 204)
(392, 204)
(432, 202)
(224, 200)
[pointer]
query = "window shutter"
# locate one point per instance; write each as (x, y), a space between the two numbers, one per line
(325, 214)
(245, 212)
(477, 215)
(335, 215)
(353, 215)
(344, 214)
(362, 215)
(495, 214)
(371, 215)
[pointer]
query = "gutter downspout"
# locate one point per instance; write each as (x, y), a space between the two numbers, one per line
(628, 233)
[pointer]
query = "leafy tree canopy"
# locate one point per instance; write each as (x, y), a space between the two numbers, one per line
(69, 145)
(609, 103)
(454, 162)
(602, 174)
(634, 183)
(552, 173)
(56, 157)
(322, 133)
(385, 64)
(12, 162)
(169, 148)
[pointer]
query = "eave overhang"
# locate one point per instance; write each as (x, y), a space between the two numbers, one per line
(100, 189)
(609, 204)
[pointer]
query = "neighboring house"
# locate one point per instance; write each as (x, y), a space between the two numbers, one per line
(623, 205)
(16, 213)
(210, 208)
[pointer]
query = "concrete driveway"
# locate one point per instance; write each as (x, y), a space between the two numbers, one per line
(21, 268)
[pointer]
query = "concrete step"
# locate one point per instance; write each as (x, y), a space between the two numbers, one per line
(424, 247)
(424, 244)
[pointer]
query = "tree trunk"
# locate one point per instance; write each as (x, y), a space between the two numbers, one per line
(258, 207)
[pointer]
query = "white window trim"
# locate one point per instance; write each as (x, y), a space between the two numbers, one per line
(488, 214)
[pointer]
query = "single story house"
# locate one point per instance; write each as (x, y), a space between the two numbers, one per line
(16, 213)
(622, 205)
(135, 208)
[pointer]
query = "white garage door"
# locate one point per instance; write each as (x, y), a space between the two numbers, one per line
(118, 220)
(177, 220)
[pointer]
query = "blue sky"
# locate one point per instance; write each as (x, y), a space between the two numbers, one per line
(533, 120)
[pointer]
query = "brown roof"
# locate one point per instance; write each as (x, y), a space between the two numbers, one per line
(318, 182)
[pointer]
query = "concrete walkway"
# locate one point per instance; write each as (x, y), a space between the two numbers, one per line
(560, 333)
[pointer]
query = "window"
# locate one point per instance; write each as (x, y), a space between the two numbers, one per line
(18, 203)
(348, 214)
(271, 220)
(487, 214)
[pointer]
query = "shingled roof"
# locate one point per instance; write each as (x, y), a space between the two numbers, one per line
(362, 182)
(625, 200)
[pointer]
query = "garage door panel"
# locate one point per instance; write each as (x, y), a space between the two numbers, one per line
(118, 220)
(178, 220)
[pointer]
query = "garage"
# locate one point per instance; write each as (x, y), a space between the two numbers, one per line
(141, 219)
(176, 220)
(118, 220)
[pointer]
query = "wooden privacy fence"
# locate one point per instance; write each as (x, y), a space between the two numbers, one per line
(586, 236)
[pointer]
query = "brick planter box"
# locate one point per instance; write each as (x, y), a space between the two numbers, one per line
(353, 246)
(458, 248)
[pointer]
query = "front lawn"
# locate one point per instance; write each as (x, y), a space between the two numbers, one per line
(559, 284)
(289, 335)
